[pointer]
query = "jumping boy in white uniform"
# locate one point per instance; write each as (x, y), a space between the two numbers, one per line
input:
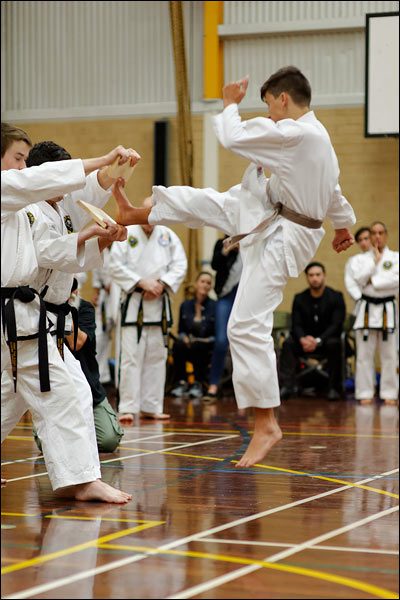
(286, 213)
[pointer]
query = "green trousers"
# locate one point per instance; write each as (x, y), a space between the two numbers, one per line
(108, 430)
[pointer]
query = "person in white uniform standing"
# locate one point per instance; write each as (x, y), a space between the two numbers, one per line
(147, 266)
(278, 222)
(26, 344)
(375, 325)
(363, 239)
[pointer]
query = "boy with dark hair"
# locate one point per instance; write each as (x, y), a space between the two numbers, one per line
(278, 222)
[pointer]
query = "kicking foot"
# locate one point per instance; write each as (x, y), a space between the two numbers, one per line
(126, 418)
(155, 416)
(126, 213)
(365, 401)
(99, 491)
(261, 443)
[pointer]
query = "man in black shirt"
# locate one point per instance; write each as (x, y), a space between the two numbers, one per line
(318, 315)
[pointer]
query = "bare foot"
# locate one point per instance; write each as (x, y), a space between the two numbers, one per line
(266, 434)
(126, 213)
(159, 416)
(101, 492)
(365, 401)
(126, 418)
(390, 402)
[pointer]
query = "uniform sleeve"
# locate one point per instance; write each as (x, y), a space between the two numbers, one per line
(34, 184)
(120, 273)
(260, 140)
(92, 193)
(340, 212)
(177, 266)
(365, 270)
(352, 287)
(386, 278)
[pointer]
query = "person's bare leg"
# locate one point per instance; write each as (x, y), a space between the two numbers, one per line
(94, 491)
(390, 402)
(266, 433)
(366, 401)
(126, 213)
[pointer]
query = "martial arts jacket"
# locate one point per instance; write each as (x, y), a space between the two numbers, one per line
(19, 188)
(67, 219)
(379, 283)
(304, 178)
(160, 256)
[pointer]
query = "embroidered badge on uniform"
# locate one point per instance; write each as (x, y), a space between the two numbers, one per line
(387, 265)
(164, 239)
(30, 217)
(133, 241)
(68, 224)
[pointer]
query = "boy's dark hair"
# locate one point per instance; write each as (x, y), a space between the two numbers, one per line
(46, 152)
(10, 134)
(290, 80)
(314, 264)
(360, 231)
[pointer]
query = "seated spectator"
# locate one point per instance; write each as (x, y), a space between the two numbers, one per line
(108, 430)
(318, 315)
(196, 338)
(228, 266)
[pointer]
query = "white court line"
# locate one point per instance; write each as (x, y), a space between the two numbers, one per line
(34, 591)
(281, 545)
(18, 460)
(149, 437)
(146, 453)
(203, 587)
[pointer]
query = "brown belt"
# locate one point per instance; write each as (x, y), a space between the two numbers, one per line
(279, 209)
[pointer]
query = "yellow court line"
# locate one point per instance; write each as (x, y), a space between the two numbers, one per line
(13, 514)
(23, 438)
(283, 470)
(78, 548)
(379, 592)
(301, 433)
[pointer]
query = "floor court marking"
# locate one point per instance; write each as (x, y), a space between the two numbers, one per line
(316, 574)
(283, 470)
(79, 518)
(196, 536)
(142, 453)
(376, 591)
(281, 545)
(20, 460)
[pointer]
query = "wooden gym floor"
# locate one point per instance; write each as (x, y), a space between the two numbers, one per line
(318, 519)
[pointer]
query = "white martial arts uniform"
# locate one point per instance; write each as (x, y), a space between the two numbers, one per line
(141, 365)
(102, 281)
(63, 222)
(351, 268)
(304, 177)
(377, 281)
(57, 414)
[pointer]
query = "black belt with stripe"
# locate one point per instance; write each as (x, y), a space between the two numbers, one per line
(371, 300)
(62, 310)
(25, 294)
(165, 323)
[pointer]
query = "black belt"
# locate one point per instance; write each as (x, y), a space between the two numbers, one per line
(165, 323)
(62, 310)
(371, 300)
(25, 294)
